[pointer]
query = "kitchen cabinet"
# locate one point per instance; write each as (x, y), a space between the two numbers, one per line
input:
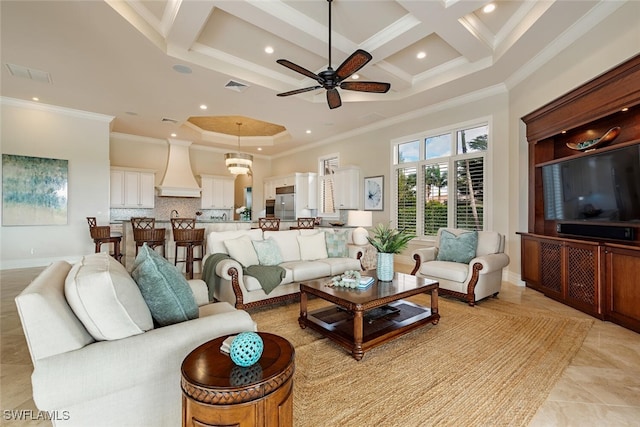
(306, 193)
(347, 187)
(131, 188)
(217, 192)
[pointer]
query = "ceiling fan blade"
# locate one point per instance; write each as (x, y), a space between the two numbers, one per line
(297, 91)
(301, 70)
(376, 87)
(333, 98)
(357, 60)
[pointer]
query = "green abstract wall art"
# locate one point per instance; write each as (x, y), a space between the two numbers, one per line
(34, 190)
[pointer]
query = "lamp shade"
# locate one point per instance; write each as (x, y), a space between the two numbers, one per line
(360, 219)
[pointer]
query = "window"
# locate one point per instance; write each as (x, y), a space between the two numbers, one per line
(441, 182)
(327, 169)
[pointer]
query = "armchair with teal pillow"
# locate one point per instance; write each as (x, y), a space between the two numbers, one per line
(467, 264)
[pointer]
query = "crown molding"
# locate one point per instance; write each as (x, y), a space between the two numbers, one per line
(32, 105)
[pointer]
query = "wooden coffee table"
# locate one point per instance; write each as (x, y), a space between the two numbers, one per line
(362, 319)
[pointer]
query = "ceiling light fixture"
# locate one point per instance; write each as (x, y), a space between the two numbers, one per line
(238, 163)
(421, 55)
(268, 50)
(489, 8)
(203, 107)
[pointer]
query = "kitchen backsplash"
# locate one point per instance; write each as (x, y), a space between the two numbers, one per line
(186, 207)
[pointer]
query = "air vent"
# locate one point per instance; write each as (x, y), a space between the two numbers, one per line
(166, 119)
(29, 73)
(236, 86)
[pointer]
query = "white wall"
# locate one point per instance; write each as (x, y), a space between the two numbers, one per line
(32, 129)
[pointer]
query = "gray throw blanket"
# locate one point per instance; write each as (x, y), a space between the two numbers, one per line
(269, 276)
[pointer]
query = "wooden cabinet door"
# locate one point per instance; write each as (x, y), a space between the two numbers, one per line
(583, 267)
(551, 268)
(622, 286)
(132, 189)
(117, 189)
(206, 200)
(530, 257)
(147, 190)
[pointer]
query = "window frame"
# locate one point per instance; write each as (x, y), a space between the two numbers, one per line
(451, 168)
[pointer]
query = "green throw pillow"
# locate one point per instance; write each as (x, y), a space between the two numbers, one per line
(336, 245)
(460, 248)
(164, 288)
(268, 251)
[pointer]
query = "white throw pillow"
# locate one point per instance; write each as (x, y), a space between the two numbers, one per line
(312, 247)
(287, 242)
(215, 239)
(106, 299)
(241, 249)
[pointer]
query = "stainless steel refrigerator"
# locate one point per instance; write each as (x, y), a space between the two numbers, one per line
(285, 208)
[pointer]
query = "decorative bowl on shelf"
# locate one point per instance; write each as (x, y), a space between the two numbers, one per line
(591, 144)
(337, 224)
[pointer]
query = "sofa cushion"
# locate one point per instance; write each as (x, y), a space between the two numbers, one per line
(449, 270)
(106, 299)
(242, 250)
(457, 248)
(340, 265)
(287, 242)
(307, 270)
(164, 288)
(215, 239)
(268, 251)
(337, 244)
(489, 242)
(312, 247)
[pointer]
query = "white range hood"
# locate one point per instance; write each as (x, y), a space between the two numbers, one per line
(178, 178)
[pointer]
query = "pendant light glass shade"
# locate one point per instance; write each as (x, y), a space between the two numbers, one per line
(238, 163)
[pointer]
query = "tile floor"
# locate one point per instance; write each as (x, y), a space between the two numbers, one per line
(601, 386)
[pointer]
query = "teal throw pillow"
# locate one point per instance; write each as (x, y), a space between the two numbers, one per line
(460, 248)
(268, 251)
(336, 245)
(164, 288)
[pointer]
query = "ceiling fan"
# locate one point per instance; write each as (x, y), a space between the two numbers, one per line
(331, 79)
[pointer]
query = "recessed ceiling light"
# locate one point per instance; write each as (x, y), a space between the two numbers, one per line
(624, 109)
(35, 98)
(203, 107)
(268, 49)
(489, 8)
(421, 55)
(355, 76)
(174, 135)
(259, 148)
(183, 69)
(308, 131)
(564, 131)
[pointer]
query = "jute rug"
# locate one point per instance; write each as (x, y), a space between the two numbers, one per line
(492, 365)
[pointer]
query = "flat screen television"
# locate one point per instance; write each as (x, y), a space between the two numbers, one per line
(599, 188)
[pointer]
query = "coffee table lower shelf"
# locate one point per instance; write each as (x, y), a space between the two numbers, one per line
(337, 324)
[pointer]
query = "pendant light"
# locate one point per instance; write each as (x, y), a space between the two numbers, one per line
(238, 163)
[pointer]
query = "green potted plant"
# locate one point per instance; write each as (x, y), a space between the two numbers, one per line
(388, 241)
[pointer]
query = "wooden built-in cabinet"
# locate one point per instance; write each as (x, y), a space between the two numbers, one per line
(597, 275)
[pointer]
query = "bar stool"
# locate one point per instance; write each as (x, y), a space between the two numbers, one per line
(186, 235)
(306, 223)
(102, 234)
(269, 224)
(145, 231)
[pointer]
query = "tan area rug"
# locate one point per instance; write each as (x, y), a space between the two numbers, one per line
(492, 365)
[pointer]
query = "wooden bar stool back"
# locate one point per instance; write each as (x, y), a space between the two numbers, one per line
(101, 234)
(269, 224)
(186, 235)
(306, 223)
(145, 231)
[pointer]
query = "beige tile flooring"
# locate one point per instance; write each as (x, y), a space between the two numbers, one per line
(601, 386)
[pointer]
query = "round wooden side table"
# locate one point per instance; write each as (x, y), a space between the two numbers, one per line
(215, 391)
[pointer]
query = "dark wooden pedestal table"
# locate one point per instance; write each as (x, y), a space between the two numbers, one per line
(365, 318)
(217, 392)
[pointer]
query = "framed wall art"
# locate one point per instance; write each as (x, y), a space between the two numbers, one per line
(34, 190)
(374, 193)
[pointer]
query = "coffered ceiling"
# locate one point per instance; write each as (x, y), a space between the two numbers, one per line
(152, 64)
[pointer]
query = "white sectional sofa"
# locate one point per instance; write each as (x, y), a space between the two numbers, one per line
(304, 254)
(98, 358)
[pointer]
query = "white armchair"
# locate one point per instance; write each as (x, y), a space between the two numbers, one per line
(478, 279)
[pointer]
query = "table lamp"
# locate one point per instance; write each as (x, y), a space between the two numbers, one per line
(360, 219)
